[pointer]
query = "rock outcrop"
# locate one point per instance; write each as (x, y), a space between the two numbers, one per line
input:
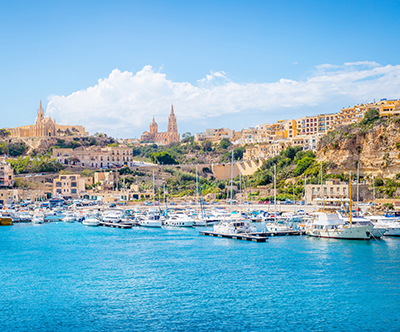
(376, 146)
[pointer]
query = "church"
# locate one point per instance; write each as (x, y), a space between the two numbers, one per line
(45, 127)
(163, 138)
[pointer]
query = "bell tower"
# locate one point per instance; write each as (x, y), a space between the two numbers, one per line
(40, 113)
(153, 127)
(172, 126)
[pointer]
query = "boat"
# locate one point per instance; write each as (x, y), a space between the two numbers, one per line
(390, 225)
(38, 219)
(90, 220)
(113, 216)
(69, 217)
(329, 225)
(179, 219)
(357, 219)
(234, 227)
(150, 220)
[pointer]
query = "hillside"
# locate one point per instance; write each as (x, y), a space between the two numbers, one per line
(374, 142)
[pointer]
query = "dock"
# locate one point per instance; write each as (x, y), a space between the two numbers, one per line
(245, 237)
(281, 233)
(116, 225)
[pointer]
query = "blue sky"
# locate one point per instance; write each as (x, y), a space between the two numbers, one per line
(58, 51)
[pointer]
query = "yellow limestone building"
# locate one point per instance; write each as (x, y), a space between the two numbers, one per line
(45, 127)
(165, 138)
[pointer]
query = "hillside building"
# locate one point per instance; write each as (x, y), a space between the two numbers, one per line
(45, 127)
(162, 138)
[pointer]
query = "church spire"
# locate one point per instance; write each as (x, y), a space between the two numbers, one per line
(172, 108)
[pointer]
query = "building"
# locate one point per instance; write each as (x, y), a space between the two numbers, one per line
(214, 135)
(95, 156)
(334, 190)
(70, 185)
(107, 180)
(10, 196)
(6, 175)
(45, 127)
(162, 138)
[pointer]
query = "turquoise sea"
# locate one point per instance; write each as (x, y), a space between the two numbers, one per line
(68, 277)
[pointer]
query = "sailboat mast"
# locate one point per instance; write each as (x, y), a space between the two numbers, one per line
(305, 190)
(358, 180)
(350, 205)
(321, 185)
(275, 192)
(197, 192)
(231, 185)
(153, 187)
(373, 191)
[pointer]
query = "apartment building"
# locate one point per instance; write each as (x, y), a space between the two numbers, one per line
(70, 185)
(6, 174)
(95, 156)
(10, 196)
(214, 135)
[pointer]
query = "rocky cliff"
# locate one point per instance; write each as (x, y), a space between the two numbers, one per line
(375, 145)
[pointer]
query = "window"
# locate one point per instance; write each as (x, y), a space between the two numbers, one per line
(73, 184)
(58, 184)
(73, 191)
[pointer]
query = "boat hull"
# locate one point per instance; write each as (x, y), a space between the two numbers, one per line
(351, 233)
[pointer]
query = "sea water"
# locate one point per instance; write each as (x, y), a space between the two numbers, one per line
(68, 277)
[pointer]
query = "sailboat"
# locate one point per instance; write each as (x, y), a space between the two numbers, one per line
(231, 226)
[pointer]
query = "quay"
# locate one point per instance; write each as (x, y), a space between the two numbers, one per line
(116, 225)
(245, 237)
(280, 233)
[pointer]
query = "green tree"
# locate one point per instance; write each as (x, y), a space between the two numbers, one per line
(224, 144)
(370, 117)
(164, 158)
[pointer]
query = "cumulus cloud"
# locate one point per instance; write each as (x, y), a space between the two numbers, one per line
(124, 102)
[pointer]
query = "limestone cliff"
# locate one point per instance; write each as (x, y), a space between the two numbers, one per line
(376, 146)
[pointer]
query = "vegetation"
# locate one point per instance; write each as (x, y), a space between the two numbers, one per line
(35, 165)
(13, 149)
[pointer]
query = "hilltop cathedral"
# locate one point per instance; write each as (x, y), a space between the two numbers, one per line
(45, 127)
(164, 138)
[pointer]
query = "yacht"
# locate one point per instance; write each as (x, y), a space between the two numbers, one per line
(231, 227)
(179, 219)
(69, 217)
(360, 220)
(113, 216)
(91, 220)
(38, 219)
(151, 220)
(389, 224)
(331, 226)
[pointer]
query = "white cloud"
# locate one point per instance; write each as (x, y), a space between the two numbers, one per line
(124, 103)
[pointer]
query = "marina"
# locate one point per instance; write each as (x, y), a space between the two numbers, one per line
(220, 284)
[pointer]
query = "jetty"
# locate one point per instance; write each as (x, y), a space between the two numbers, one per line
(255, 237)
(280, 233)
(116, 225)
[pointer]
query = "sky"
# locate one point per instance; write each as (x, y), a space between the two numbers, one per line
(113, 65)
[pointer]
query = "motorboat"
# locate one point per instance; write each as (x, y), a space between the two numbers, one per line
(113, 216)
(69, 217)
(331, 226)
(179, 219)
(38, 219)
(91, 220)
(232, 227)
(151, 220)
(389, 224)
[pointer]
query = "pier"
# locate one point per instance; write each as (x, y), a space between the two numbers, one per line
(246, 237)
(281, 233)
(116, 225)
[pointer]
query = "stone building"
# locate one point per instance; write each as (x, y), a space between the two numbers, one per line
(95, 156)
(70, 185)
(6, 174)
(162, 138)
(45, 127)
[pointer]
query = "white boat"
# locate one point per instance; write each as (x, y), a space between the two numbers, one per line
(91, 221)
(179, 219)
(114, 216)
(331, 226)
(359, 220)
(38, 219)
(152, 220)
(391, 226)
(69, 217)
(232, 227)
(276, 227)
(24, 216)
